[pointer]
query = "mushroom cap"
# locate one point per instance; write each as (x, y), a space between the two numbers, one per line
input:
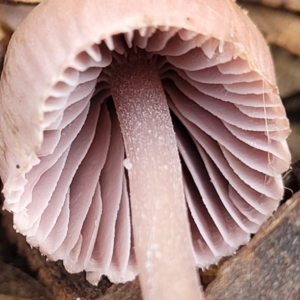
(231, 127)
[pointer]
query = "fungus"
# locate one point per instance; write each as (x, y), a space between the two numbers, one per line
(140, 139)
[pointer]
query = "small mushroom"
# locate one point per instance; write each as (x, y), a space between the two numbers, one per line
(140, 138)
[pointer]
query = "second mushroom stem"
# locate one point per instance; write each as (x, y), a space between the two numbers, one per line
(162, 239)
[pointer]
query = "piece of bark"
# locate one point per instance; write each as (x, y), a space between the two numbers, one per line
(269, 266)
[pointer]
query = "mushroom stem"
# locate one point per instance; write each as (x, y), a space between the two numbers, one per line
(162, 238)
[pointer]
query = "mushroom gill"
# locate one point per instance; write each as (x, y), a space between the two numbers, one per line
(140, 138)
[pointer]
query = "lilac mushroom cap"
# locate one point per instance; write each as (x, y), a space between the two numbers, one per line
(111, 184)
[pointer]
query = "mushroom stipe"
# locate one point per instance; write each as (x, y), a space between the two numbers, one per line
(151, 142)
(156, 189)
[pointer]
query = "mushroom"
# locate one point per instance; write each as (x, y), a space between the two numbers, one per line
(140, 138)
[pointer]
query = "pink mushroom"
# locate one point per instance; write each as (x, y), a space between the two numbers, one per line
(140, 137)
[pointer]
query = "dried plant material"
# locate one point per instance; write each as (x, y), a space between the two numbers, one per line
(127, 291)
(268, 267)
(210, 274)
(15, 283)
(287, 69)
(288, 4)
(278, 27)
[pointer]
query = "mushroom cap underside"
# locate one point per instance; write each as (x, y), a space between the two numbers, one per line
(230, 123)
